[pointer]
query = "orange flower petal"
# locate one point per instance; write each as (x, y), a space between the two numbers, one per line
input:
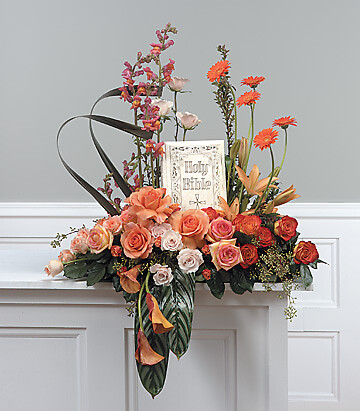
(159, 322)
(144, 354)
(128, 280)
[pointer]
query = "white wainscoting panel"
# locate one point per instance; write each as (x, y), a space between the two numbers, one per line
(80, 354)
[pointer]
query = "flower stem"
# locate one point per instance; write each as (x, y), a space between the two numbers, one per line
(138, 150)
(264, 194)
(285, 148)
(184, 134)
(252, 107)
(235, 111)
(139, 308)
(176, 119)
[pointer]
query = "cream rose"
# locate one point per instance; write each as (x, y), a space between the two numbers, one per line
(171, 241)
(188, 121)
(177, 83)
(189, 260)
(164, 106)
(54, 268)
(158, 230)
(162, 274)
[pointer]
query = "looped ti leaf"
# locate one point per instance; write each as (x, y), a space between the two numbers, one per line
(114, 123)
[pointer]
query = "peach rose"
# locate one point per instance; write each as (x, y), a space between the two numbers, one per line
(192, 225)
(137, 241)
(54, 268)
(126, 217)
(99, 239)
(225, 254)
(149, 203)
(113, 224)
(66, 256)
(79, 244)
(220, 229)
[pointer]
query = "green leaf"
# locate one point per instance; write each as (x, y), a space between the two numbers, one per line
(216, 284)
(129, 297)
(152, 376)
(76, 270)
(306, 276)
(177, 305)
(95, 273)
(238, 281)
(313, 265)
(116, 283)
(111, 270)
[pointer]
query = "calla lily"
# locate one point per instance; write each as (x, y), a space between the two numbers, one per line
(252, 184)
(232, 211)
(282, 198)
(144, 354)
(128, 280)
(160, 323)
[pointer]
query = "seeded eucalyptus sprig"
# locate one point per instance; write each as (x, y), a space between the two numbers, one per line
(59, 238)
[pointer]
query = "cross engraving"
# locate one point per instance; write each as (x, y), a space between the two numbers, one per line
(197, 201)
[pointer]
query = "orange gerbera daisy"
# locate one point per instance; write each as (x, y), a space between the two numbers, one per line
(252, 81)
(265, 138)
(218, 69)
(285, 122)
(248, 98)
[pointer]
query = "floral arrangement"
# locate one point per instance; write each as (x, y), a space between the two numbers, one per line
(153, 251)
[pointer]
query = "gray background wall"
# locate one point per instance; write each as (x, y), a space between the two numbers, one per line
(58, 56)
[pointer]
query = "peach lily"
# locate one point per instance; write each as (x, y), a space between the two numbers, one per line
(232, 211)
(282, 198)
(144, 354)
(252, 184)
(128, 280)
(160, 323)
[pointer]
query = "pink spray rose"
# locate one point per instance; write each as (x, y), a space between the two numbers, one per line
(79, 244)
(66, 256)
(113, 224)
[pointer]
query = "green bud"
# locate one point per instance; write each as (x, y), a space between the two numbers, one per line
(235, 149)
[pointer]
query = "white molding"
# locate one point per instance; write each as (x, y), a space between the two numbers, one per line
(90, 210)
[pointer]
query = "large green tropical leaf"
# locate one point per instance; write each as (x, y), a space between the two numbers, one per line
(177, 305)
(152, 376)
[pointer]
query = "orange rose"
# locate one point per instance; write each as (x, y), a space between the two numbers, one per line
(149, 203)
(250, 224)
(249, 254)
(285, 227)
(192, 225)
(137, 241)
(305, 252)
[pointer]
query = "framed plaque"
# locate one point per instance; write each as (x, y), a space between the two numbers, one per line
(193, 173)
